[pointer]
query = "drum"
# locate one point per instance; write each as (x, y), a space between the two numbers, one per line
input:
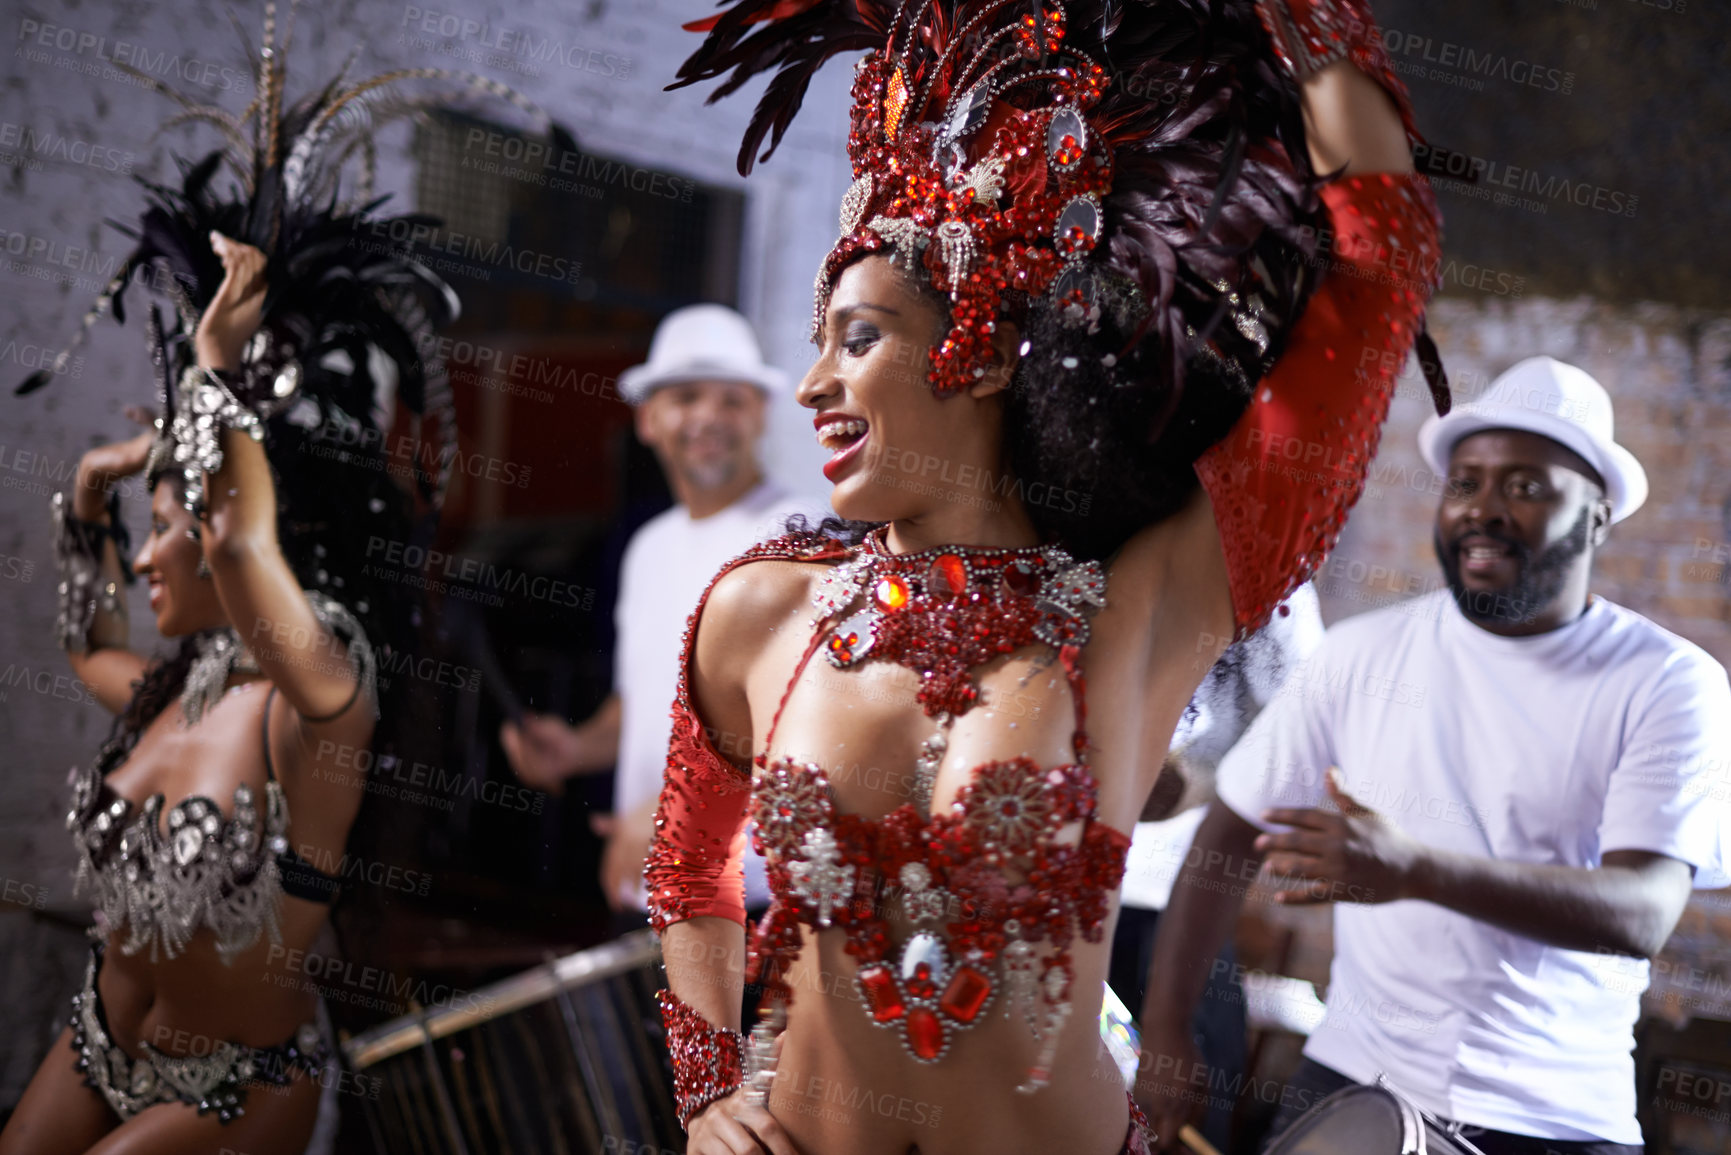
(567, 1058)
(1367, 1120)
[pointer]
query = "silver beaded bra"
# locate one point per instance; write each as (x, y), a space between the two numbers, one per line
(202, 870)
(206, 870)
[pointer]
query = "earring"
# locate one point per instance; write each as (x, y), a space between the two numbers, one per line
(203, 569)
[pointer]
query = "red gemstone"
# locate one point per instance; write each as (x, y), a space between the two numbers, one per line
(965, 995)
(948, 576)
(880, 991)
(920, 983)
(891, 592)
(1019, 578)
(925, 1033)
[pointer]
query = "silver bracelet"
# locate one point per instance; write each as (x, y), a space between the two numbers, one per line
(210, 407)
(83, 591)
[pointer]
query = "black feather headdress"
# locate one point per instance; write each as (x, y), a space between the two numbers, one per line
(348, 313)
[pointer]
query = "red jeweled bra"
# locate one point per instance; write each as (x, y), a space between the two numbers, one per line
(941, 613)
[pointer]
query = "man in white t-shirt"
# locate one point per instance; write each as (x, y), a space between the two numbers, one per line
(1508, 787)
(700, 405)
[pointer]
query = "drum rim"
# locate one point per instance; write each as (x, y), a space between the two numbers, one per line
(536, 985)
(1412, 1120)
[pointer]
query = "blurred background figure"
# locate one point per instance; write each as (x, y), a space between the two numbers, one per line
(1506, 790)
(700, 403)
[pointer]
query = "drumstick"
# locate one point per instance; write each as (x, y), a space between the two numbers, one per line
(1192, 1138)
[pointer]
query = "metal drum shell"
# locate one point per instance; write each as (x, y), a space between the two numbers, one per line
(565, 1058)
(1367, 1119)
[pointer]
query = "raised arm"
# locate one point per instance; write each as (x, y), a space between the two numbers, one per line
(93, 626)
(303, 657)
(1280, 484)
(1352, 124)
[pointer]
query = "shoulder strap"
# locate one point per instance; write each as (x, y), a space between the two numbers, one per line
(264, 728)
(810, 649)
(788, 547)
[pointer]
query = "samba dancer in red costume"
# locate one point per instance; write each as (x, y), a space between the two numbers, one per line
(1125, 295)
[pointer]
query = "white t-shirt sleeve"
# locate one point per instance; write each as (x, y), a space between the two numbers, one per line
(629, 564)
(1670, 793)
(1284, 755)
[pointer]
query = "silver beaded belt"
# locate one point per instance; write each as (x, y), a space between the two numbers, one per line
(214, 1083)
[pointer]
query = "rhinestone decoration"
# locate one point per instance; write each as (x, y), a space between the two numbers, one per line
(941, 612)
(942, 174)
(1079, 226)
(990, 901)
(922, 901)
(1066, 139)
(214, 1082)
(162, 878)
(819, 876)
(854, 202)
(956, 251)
(842, 585)
(895, 105)
(707, 1060)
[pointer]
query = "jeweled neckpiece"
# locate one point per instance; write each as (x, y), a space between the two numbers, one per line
(940, 612)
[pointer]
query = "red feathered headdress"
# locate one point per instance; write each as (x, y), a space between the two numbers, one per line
(1112, 160)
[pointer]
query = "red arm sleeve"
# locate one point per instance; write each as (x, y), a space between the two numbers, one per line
(1284, 479)
(696, 860)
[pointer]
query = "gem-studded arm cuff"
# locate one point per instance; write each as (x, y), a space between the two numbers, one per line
(707, 1060)
(84, 590)
(1309, 35)
(207, 406)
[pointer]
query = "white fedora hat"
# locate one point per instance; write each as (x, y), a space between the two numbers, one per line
(700, 343)
(1545, 396)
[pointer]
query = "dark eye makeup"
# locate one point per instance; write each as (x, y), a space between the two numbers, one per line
(859, 336)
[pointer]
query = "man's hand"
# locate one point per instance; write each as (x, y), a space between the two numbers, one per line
(628, 837)
(544, 751)
(233, 315)
(1356, 855)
